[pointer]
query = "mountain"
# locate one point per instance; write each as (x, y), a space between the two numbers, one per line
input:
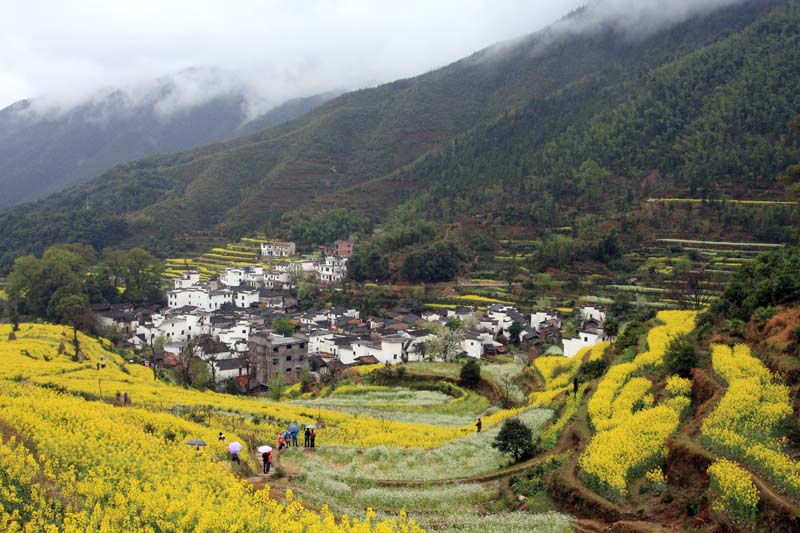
(45, 150)
(553, 125)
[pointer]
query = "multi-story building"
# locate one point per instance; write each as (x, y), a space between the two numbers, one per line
(331, 270)
(278, 249)
(274, 355)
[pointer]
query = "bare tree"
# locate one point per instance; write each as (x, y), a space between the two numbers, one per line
(694, 289)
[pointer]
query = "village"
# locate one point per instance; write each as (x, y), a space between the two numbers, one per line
(246, 326)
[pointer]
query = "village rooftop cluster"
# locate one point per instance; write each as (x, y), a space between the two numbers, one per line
(228, 323)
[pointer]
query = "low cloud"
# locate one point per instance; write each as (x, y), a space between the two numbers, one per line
(63, 53)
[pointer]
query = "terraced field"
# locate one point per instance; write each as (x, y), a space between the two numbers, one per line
(245, 252)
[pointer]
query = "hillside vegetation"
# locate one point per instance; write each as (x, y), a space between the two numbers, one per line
(516, 129)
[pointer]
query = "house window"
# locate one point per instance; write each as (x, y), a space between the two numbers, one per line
(288, 357)
(586, 339)
(302, 345)
(275, 349)
(288, 346)
(275, 361)
(288, 370)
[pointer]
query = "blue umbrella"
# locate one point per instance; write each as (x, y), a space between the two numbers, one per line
(294, 428)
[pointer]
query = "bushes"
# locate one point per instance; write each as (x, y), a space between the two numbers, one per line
(681, 355)
(514, 438)
(470, 374)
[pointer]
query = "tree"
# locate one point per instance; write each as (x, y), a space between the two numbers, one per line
(470, 374)
(608, 248)
(514, 438)
(611, 327)
(142, 272)
(276, 385)
(681, 355)
(694, 290)
(439, 262)
(189, 369)
(73, 309)
(446, 344)
(513, 332)
(282, 326)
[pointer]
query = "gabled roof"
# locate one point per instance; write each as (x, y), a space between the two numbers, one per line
(233, 363)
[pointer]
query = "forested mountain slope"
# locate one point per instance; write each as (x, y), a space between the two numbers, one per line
(518, 118)
(43, 151)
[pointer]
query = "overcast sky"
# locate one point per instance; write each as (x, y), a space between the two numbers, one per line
(64, 51)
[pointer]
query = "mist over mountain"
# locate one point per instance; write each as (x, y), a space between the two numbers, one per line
(45, 147)
(687, 107)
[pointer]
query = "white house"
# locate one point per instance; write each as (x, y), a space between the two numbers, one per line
(391, 349)
(231, 368)
(232, 333)
(320, 341)
(232, 277)
(541, 316)
(278, 249)
(174, 328)
(332, 269)
(584, 339)
(472, 345)
(199, 296)
(187, 279)
(245, 297)
(277, 279)
(595, 312)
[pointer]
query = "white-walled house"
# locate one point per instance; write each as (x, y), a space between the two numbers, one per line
(277, 279)
(472, 345)
(278, 249)
(541, 316)
(232, 333)
(391, 349)
(245, 297)
(320, 341)
(232, 277)
(332, 269)
(199, 296)
(187, 279)
(584, 339)
(595, 312)
(226, 369)
(174, 328)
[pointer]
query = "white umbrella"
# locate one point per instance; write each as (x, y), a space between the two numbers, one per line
(264, 449)
(235, 447)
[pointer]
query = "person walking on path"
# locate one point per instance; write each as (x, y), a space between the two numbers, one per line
(287, 438)
(313, 437)
(266, 459)
(235, 458)
(295, 431)
(307, 439)
(280, 440)
(479, 424)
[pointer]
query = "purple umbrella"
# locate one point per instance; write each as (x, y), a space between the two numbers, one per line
(235, 447)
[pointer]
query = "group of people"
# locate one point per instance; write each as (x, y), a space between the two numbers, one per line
(289, 437)
(122, 399)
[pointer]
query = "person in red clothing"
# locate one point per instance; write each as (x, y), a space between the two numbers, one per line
(280, 441)
(313, 437)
